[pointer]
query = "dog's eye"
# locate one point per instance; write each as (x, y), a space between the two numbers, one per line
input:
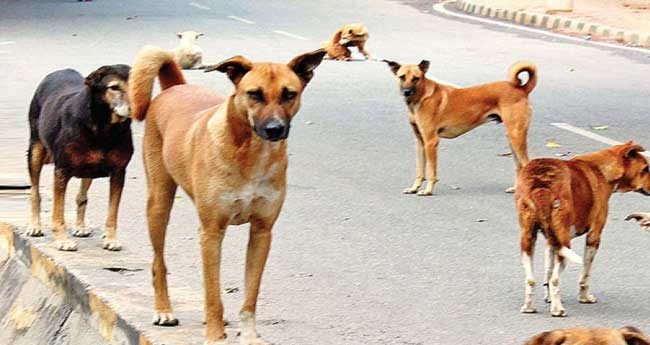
(256, 95)
(415, 79)
(288, 96)
(403, 77)
(350, 31)
(646, 169)
(114, 87)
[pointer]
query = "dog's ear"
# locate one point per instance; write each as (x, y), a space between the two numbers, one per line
(631, 150)
(199, 34)
(424, 65)
(235, 67)
(634, 336)
(556, 337)
(94, 79)
(179, 34)
(394, 66)
(305, 64)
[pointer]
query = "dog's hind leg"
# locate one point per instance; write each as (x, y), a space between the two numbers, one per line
(549, 254)
(110, 229)
(259, 244)
(61, 240)
(420, 161)
(35, 160)
(591, 247)
(81, 230)
(554, 286)
(528, 239)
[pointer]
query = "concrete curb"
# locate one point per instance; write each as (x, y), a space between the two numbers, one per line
(555, 22)
(107, 323)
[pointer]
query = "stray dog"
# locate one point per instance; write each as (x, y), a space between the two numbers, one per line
(350, 35)
(83, 126)
(188, 54)
(643, 219)
(567, 199)
(596, 336)
(441, 111)
(229, 155)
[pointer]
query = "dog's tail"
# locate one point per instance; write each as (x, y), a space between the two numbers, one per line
(149, 63)
(544, 205)
(530, 69)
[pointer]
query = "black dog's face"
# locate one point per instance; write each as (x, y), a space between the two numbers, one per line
(110, 84)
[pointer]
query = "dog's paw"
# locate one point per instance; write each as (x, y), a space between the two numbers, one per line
(111, 244)
(528, 310)
(218, 342)
(81, 231)
(560, 312)
(164, 319)
(510, 190)
(252, 340)
(410, 190)
(424, 193)
(588, 299)
(66, 245)
(34, 231)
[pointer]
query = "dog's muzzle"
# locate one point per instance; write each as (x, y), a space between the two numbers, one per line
(407, 92)
(273, 130)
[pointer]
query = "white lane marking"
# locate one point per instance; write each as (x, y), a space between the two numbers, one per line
(7, 43)
(440, 7)
(590, 135)
(194, 4)
(288, 34)
(240, 19)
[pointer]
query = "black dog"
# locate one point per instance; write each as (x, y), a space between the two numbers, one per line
(81, 125)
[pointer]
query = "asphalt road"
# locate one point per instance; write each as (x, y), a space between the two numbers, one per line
(354, 261)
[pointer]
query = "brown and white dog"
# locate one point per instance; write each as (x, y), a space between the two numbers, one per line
(567, 199)
(228, 154)
(439, 111)
(350, 35)
(188, 54)
(591, 336)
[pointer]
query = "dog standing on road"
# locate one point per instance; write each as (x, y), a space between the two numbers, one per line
(229, 155)
(188, 54)
(439, 111)
(588, 336)
(83, 126)
(567, 199)
(350, 35)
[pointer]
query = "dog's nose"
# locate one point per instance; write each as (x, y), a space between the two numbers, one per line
(275, 130)
(407, 92)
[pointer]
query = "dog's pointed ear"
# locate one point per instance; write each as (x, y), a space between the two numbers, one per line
(634, 336)
(394, 66)
(631, 150)
(305, 64)
(199, 34)
(95, 78)
(424, 65)
(179, 34)
(556, 337)
(235, 67)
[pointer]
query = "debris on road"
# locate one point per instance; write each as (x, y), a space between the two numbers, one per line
(600, 128)
(552, 144)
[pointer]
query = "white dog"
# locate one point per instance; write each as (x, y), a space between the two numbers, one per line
(189, 55)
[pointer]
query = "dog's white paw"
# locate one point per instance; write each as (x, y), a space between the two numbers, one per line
(111, 244)
(424, 193)
(510, 190)
(218, 342)
(34, 231)
(528, 310)
(81, 231)
(588, 299)
(164, 319)
(252, 340)
(558, 312)
(66, 245)
(410, 190)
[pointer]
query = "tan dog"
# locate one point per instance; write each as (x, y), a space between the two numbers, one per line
(188, 54)
(228, 155)
(567, 199)
(595, 336)
(441, 111)
(350, 35)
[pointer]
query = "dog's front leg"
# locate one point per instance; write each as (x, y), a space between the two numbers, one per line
(81, 230)
(420, 161)
(211, 240)
(110, 237)
(36, 158)
(431, 151)
(362, 49)
(259, 244)
(61, 240)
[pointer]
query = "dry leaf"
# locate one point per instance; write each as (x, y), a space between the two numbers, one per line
(600, 128)
(552, 144)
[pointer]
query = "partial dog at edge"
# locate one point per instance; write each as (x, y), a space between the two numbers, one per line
(228, 154)
(586, 336)
(567, 199)
(350, 35)
(438, 111)
(82, 125)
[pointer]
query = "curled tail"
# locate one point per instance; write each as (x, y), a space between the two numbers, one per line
(151, 62)
(530, 69)
(544, 203)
